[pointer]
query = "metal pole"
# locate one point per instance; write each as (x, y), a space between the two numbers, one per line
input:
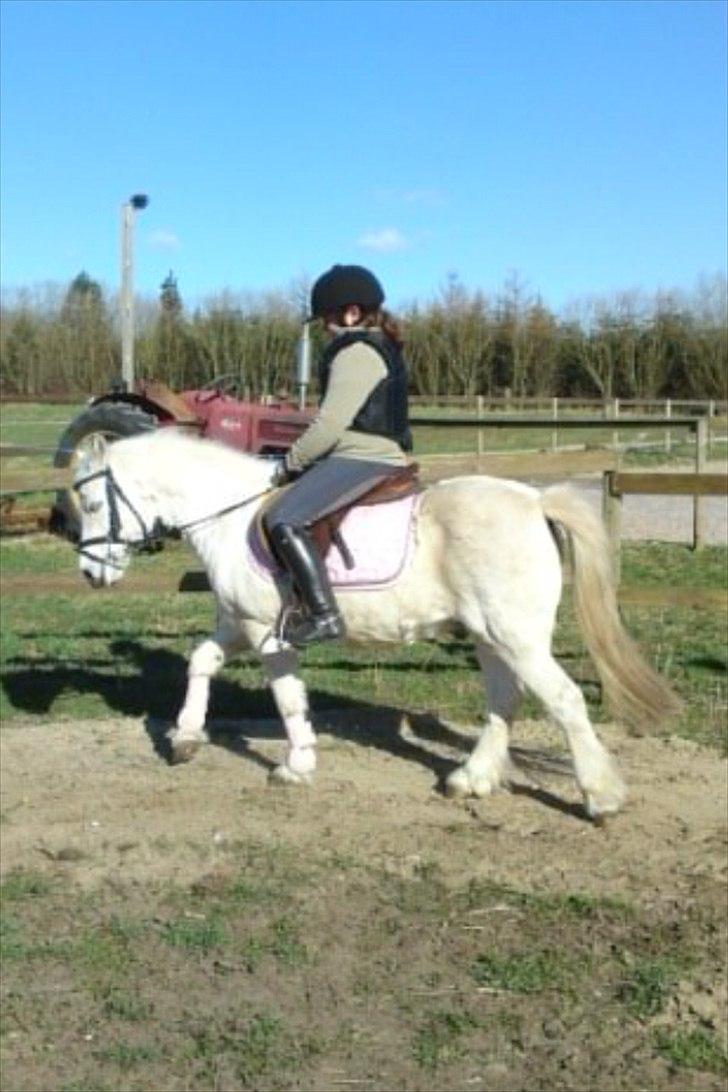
(303, 365)
(126, 299)
(136, 201)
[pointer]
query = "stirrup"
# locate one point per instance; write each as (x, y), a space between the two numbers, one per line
(302, 629)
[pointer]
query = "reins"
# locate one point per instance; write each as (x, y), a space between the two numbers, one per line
(150, 538)
(221, 512)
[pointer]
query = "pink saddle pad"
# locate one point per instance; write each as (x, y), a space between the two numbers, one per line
(380, 539)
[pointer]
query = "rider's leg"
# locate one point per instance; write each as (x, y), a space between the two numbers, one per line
(324, 488)
(295, 548)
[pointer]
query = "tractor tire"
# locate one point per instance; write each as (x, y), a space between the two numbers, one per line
(113, 421)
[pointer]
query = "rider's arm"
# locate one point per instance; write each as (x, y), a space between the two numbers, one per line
(355, 372)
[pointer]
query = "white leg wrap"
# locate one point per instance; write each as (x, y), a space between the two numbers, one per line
(301, 760)
(299, 731)
(191, 718)
(281, 666)
(205, 661)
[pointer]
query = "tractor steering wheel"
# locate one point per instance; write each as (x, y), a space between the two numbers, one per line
(223, 384)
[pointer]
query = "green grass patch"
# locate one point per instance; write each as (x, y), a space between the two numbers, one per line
(194, 935)
(126, 1005)
(523, 972)
(24, 885)
(578, 905)
(647, 989)
(128, 1056)
(35, 423)
(259, 1047)
(441, 1038)
(694, 1049)
(354, 969)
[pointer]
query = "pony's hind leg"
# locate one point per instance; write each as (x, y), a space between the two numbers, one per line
(596, 772)
(488, 765)
(207, 659)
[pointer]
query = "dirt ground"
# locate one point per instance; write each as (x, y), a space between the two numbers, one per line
(96, 786)
(97, 804)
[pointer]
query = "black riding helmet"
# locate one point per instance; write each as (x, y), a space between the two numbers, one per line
(343, 285)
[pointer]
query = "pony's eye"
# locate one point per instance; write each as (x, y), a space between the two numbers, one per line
(92, 508)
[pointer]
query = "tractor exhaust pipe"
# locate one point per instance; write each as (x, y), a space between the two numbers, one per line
(303, 364)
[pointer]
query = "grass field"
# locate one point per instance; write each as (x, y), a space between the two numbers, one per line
(40, 424)
(86, 654)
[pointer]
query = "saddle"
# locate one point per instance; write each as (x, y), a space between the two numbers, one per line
(326, 531)
(403, 483)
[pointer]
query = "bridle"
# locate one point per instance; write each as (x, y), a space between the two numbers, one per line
(150, 539)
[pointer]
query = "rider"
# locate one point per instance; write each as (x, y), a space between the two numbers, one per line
(359, 437)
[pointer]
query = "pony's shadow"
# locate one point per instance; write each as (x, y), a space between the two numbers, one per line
(242, 717)
(413, 737)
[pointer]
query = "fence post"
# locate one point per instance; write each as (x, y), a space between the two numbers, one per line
(701, 435)
(615, 415)
(668, 434)
(612, 513)
(479, 409)
(711, 415)
(555, 430)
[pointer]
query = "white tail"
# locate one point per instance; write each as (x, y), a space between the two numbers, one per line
(633, 689)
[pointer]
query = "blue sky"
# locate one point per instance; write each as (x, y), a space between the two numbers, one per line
(582, 144)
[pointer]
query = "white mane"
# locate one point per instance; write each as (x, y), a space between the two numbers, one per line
(187, 454)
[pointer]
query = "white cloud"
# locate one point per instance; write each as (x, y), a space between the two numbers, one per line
(385, 241)
(164, 240)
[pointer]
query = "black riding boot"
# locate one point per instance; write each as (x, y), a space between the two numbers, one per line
(322, 621)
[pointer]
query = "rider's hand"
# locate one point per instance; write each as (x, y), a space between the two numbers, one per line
(282, 475)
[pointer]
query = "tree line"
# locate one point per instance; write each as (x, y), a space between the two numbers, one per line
(65, 341)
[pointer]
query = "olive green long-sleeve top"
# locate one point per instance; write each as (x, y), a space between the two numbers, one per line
(355, 372)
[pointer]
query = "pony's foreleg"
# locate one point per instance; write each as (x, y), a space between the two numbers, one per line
(280, 663)
(205, 662)
(489, 763)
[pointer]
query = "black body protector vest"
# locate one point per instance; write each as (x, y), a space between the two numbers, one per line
(385, 411)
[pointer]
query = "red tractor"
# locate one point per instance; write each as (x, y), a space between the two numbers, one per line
(268, 427)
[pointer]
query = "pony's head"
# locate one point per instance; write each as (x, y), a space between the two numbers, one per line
(110, 522)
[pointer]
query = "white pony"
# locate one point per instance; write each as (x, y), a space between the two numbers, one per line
(486, 556)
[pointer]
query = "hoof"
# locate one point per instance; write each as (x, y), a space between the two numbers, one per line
(457, 786)
(601, 807)
(284, 775)
(184, 751)
(462, 783)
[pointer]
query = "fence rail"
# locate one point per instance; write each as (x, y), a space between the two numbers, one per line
(618, 484)
(609, 407)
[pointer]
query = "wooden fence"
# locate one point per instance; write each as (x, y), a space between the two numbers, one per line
(542, 465)
(618, 484)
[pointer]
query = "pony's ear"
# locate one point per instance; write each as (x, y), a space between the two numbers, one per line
(98, 446)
